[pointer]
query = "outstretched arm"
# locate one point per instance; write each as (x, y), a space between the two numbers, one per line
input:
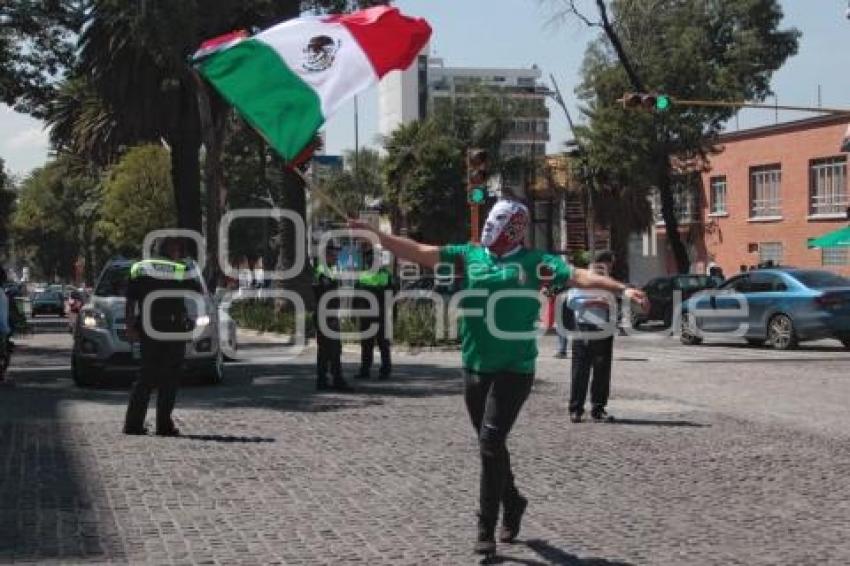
(403, 248)
(585, 279)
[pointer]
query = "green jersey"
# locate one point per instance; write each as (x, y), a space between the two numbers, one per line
(496, 315)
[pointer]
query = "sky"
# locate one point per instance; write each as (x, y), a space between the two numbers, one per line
(520, 33)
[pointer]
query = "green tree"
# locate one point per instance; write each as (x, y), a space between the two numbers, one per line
(7, 204)
(424, 176)
(360, 179)
(690, 49)
(36, 47)
(137, 198)
(54, 219)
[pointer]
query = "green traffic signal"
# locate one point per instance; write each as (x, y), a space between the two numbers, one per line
(662, 102)
(477, 195)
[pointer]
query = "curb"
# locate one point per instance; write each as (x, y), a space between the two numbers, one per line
(287, 339)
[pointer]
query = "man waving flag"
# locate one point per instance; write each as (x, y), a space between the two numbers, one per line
(288, 80)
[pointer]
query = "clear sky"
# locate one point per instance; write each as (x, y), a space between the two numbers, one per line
(506, 33)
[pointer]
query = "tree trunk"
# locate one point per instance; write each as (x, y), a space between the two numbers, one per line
(185, 144)
(668, 213)
(295, 199)
(213, 116)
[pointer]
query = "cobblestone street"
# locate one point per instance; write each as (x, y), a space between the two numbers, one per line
(722, 455)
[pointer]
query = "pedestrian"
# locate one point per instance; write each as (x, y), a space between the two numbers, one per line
(593, 309)
(499, 372)
(328, 348)
(379, 286)
(161, 359)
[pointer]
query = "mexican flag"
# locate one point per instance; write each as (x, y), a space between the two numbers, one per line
(288, 80)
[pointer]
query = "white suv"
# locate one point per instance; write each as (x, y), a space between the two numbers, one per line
(101, 352)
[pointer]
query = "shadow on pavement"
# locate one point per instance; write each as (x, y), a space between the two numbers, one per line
(554, 555)
(226, 438)
(661, 423)
(49, 508)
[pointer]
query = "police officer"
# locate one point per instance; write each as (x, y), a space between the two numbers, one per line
(328, 348)
(379, 285)
(162, 360)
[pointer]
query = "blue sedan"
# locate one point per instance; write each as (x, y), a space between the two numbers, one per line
(781, 307)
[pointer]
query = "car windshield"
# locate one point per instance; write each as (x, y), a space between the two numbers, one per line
(113, 283)
(47, 296)
(821, 279)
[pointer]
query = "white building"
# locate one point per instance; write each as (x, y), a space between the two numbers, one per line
(420, 90)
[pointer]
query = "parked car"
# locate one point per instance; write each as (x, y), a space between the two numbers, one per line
(48, 302)
(101, 351)
(663, 293)
(780, 307)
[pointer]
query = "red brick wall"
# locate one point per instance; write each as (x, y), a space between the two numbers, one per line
(727, 238)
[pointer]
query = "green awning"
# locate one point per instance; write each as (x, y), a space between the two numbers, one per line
(837, 239)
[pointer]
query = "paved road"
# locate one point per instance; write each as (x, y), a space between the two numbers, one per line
(724, 455)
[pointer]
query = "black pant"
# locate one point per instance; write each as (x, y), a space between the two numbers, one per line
(493, 401)
(367, 346)
(161, 369)
(587, 355)
(328, 352)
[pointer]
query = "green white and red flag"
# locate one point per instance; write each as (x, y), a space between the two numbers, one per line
(286, 81)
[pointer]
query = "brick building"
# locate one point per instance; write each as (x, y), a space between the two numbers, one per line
(764, 195)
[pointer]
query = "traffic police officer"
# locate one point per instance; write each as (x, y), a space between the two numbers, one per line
(379, 285)
(328, 348)
(162, 360)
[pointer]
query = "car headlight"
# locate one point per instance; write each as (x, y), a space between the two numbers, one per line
(202, 320)
(93, 318)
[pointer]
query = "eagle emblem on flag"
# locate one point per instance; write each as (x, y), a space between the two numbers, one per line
(320, 53)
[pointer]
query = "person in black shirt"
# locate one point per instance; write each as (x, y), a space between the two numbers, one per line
(162, 360)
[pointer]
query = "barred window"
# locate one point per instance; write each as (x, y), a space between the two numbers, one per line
(835, 256)
(828, 185)
(770, 252)
(765, 196)
(718, 195)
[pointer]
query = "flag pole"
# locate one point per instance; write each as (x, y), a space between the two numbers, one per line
(320, 193)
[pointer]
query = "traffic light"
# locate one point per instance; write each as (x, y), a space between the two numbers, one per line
(477, 164)
(647, 101)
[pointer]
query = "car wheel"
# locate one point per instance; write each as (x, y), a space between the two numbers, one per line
(689, 331)
(636, 320)
(780, 332)
(846, 341)
(214, 375)
(755, 341)
(81, 378)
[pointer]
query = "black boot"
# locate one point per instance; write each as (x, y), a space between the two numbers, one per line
(485, 543)
(512, 519)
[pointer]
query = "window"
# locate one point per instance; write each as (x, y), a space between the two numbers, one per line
(765, 185)
(685, 199)
(835, 256)
(821, 279)
(828, 186)
(718, 195)
(766, 283)
(770, 252)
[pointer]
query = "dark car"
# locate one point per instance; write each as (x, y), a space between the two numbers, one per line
(48, 302)
(663, 293)
(779, 307)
